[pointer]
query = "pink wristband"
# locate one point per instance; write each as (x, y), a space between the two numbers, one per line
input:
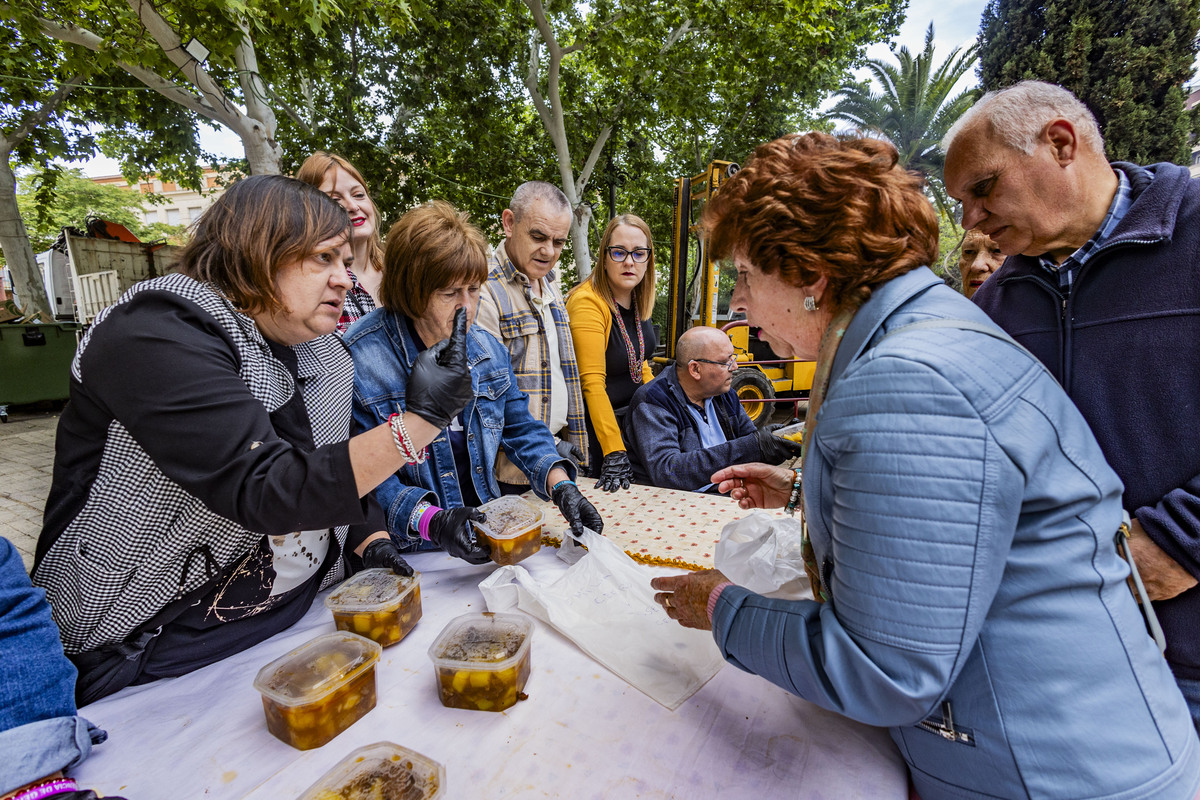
(714, 594)
(423, 522)
(48, 789)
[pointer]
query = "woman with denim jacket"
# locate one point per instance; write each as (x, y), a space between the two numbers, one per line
(435, 262)
(960, 516)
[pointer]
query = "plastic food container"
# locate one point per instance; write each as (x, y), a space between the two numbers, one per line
(380, 771)
(377, 604)
(793, 433)
(319, 689)
(482, 661)
(513, 529)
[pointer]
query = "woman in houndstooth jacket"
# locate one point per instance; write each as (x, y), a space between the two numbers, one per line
(205, 483)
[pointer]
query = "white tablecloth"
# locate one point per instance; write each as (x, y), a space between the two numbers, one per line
(583, 732)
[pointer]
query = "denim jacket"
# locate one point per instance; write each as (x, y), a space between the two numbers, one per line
(498, 417)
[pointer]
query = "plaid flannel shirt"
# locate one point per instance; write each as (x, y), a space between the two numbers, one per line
(506, 312)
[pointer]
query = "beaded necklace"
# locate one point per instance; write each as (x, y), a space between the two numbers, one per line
(635, 364)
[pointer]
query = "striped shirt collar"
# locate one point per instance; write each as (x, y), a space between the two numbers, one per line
(1068, 270)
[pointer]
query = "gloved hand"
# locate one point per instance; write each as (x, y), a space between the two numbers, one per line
(450, 529)
(570, 452)
(775, 449)
(439, 386)
(576, 509)
(384, 553)
(615, 471)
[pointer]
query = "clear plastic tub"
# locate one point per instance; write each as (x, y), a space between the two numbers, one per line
(381, 771)
(513, 529)
(377, 604)
(319, 689)
(793, 433)
(482, 661)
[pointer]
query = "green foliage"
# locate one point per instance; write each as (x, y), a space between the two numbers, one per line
(437, 108)
(913, 109)
(950, 236)
(76, 198)
(1128, 62)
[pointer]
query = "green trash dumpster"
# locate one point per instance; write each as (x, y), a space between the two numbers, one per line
(35, 363)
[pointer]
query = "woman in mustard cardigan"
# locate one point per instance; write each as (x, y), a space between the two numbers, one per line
(610, 325)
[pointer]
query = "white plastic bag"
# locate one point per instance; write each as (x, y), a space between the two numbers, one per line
(764, 554)
(605, 605)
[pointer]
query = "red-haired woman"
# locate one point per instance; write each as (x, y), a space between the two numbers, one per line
(614, 338)
(960, 513)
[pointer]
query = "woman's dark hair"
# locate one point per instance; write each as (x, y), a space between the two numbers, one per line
(815, 205)
(258, 225)
(431, 247)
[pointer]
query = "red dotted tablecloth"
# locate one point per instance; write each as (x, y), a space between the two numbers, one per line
(654, 524)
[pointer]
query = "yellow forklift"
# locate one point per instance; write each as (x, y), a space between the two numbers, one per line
(695, 298)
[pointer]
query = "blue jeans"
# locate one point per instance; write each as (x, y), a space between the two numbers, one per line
(40, 733)
(1191, 693)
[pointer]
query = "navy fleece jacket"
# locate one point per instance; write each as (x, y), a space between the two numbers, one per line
(1126, 347)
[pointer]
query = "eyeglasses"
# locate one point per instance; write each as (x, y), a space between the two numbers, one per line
(619, 254)
(730, 363)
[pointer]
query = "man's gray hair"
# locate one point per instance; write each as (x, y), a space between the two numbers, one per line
(532, 192)
(1017, 115)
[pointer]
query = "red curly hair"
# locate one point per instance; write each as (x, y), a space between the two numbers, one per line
(812, 205)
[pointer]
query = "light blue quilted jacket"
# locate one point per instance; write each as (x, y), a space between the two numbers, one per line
(963, 518)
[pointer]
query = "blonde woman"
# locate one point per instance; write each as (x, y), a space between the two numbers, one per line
(614, 339)
(341, 181)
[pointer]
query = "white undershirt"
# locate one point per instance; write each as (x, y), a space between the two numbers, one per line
(558, 381)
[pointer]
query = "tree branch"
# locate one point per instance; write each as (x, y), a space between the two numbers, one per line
(254, 91)
(291, 112)
(73, 34)
(172, 48)
(585, 174)
(531, 83)
(38, 117)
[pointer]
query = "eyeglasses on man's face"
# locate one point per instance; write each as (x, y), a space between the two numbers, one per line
(619, 254)
(730, 363)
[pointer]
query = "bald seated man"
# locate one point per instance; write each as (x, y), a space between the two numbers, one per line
(1102, 285)
(979, 258)
(687, 423)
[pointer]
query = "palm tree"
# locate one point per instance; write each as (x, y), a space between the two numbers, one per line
(914, 110)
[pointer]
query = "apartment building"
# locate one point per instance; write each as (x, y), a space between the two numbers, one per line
(183, 206)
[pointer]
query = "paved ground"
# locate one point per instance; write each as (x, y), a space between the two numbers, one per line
(26, 461)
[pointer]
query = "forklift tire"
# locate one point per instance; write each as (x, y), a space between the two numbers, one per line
(751, 384)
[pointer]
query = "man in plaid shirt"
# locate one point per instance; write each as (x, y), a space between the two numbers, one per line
(522, 306)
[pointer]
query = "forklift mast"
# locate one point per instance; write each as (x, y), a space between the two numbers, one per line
(690, 194)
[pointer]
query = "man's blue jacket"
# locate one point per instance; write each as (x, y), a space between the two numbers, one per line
(1125, 345)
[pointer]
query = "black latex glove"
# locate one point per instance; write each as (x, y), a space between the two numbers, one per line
(615, 472)
(384, 553)
(450, 529)
(570, 452)
(439, 386)
(775, 449)
(576, 509)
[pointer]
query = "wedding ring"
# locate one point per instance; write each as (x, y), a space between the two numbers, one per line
(667, 601)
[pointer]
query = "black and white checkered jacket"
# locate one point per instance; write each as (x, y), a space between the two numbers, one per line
(140, 540)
